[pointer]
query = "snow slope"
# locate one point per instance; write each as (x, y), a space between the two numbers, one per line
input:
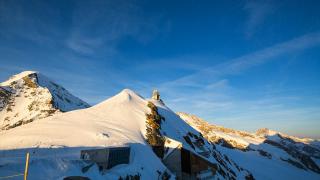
(30, 96)
(267, 154)
(56, 141)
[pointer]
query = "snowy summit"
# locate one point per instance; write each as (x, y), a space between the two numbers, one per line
(30, 96)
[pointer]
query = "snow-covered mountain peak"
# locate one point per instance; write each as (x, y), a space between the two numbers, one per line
(17, 77)
(275, 135)
(126, 96)
(266, 132)
(30, 96)
(128, 91)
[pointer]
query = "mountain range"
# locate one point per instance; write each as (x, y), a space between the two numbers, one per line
(41, 117)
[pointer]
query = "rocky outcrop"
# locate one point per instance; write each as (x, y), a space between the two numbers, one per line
(301, 153)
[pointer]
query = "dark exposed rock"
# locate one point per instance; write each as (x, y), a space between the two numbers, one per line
(294, 163)
(249, 177)
(188, 140)
(4, 97)
(264, 153)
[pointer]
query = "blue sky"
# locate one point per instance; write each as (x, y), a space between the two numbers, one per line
(240, 64)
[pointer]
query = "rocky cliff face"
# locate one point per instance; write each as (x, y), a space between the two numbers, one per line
(30, 96)
(266, 148)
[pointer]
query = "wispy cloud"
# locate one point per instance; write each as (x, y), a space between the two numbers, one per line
(30, 21)
(210, 94)
(257, 11)
(89, 28)
(242, 63)
(86, 36)
(101, 25)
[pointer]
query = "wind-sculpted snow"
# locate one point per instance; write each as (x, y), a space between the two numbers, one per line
(267, 154)
(30, 96)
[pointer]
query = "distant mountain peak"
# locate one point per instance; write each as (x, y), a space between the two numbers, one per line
(30, 96)
(266, 132)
